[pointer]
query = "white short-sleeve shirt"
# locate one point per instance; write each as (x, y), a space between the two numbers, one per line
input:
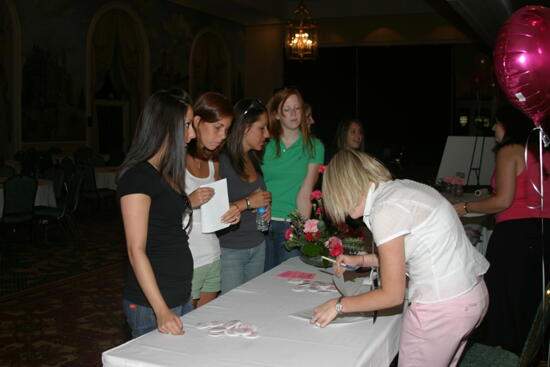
(441, 263)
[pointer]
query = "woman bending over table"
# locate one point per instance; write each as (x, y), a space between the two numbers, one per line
(418, 235)
(243, 246)
(213, 117)
(153, 203)
(515, 250)
(290, 167)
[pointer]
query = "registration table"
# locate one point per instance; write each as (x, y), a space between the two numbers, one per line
(266, 301)
(45, 194)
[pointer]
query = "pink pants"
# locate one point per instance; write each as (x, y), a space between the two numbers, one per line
(435, 334)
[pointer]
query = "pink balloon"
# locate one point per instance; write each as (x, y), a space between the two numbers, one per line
(522, 61)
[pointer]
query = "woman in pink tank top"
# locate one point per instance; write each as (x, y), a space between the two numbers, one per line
(516, 247)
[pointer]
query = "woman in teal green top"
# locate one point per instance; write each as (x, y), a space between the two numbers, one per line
(290, 168)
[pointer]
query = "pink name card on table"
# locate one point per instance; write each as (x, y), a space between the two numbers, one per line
(296, 274)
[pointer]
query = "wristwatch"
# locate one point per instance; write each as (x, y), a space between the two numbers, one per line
(339, 306)
(247, 203)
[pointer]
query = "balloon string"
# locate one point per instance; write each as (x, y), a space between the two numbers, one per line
(540, 191)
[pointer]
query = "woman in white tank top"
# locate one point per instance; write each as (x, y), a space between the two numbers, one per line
(213, 117)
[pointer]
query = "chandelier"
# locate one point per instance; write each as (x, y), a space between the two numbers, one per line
(301, 35)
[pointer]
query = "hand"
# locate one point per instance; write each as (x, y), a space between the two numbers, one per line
(259, 198)
(267, 215)
(459, 207)
(200, 196)
(169, 323)
(347, 260)
(233, 215)
(324, 314)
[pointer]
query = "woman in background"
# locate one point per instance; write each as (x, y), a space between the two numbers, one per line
(349, 135)
(212, 120)
(309, 114)
(243, 246)
(290, 167)
(515, 250)
(153, 203)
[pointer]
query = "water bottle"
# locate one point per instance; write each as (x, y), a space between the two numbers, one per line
(261, 224)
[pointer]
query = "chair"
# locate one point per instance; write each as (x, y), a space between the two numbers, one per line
(57, 175)
(89, 186)
(64, 214)
(480, 355)
(19, 195)
(68, 166)
(7, 171)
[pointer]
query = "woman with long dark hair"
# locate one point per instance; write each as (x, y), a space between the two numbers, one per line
(290, 166)
(349, 135)
(516, 247)
(243, 246)
(153, 203)
(212, 120)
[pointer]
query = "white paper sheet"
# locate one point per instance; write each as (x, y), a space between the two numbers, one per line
(212, 211)
(347, 318)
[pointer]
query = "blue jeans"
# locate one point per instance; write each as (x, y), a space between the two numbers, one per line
(275, 251)
(241, 265)
(142, 319)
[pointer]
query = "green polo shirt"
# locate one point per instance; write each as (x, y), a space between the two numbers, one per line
(284, 174)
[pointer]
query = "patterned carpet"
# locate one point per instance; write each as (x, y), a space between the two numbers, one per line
(60, 303)
(25, 263)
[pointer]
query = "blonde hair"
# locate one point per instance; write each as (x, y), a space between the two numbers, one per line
(347, 180)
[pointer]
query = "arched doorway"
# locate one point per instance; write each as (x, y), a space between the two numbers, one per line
(117, 76)
(209, 67)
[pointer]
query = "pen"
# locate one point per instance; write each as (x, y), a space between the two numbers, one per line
(349, 267)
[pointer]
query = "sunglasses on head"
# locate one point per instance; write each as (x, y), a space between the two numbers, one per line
(255, 103)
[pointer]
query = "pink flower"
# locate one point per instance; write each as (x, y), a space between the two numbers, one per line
(288, 234)
(310, 226)
(322, 168)
(317, 194)
(335, 246)
(319, 211)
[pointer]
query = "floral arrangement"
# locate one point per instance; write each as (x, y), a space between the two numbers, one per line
(315, 237)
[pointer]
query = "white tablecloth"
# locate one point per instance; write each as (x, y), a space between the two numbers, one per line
(105, 177)
(284, 341)
(45, 194)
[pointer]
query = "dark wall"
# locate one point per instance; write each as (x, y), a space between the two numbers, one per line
(402, 94)
(53, 37)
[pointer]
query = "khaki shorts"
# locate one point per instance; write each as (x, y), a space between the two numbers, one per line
(206, 278)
